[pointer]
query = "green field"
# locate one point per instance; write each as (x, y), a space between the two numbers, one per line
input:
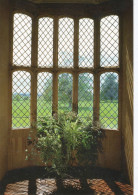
(21, 112)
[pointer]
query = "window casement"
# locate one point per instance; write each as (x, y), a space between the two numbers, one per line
(65, 42)
(45, 42)
(22, 36)
(44, 94)
(21, 99)
(65, 63)
(109, 41)
(65, 92)
(86, 43)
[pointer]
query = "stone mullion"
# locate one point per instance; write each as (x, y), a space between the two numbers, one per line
(10, 69)
(55, 67)
(120, 75)
(55, 43)
(55, 93)
(33, 71)
(33, 98)
(96, 101)
(75, 93)
(75, 74)
(76, 42)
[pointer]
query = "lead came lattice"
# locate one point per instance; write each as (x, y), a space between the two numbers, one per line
(22, 34)
(109, 45)
(109, 100)
(85, 96)
(21, 83)
(65, 92)
(86, 42)
(109, 57)
(45, 42)
(66, 42)
(44, 94)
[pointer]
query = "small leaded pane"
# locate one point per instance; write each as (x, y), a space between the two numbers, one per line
(44, 94)
(109, 100)
(109, 37)
(21, 83)
(45, 42)
(65, 92)
(86, 42)
(22, 35)
(66, 42)
(85, 96)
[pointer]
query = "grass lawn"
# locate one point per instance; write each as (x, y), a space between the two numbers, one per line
(108, 112)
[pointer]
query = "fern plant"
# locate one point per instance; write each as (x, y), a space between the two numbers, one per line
(64, 139)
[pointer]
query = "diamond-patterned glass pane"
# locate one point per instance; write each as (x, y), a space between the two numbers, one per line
(109, 100)
(22, 35)
(65, 92)
(21, 83)
(44, 94)
(109, 37)
(85, 95)
(86, 42)
(45, 42)
(66, 42)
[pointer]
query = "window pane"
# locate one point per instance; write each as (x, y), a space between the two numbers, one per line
(22, 34)
(44, 94)
(85, 95)
(65, 92)
(45, 42)
(86, 42)
(66, 42)
(109, 33)
(109, 100)
(21, 82)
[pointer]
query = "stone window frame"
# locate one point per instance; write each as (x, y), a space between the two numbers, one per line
(55, 70)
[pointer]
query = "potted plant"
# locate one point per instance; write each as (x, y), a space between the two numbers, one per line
(63, 140)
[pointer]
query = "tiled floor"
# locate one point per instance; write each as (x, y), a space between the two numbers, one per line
(32, 181)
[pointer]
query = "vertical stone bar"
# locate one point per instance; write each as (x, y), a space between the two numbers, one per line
(33, 72)
(75, 74)
(55, 43)
(75, 92)
(96, 102)
(55, 65)
(4, 84)
(76, 42)
(55, 93)
(33, 98)
(120, 75)
(10, 71)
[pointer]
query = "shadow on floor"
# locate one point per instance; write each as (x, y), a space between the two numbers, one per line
(35, 180)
